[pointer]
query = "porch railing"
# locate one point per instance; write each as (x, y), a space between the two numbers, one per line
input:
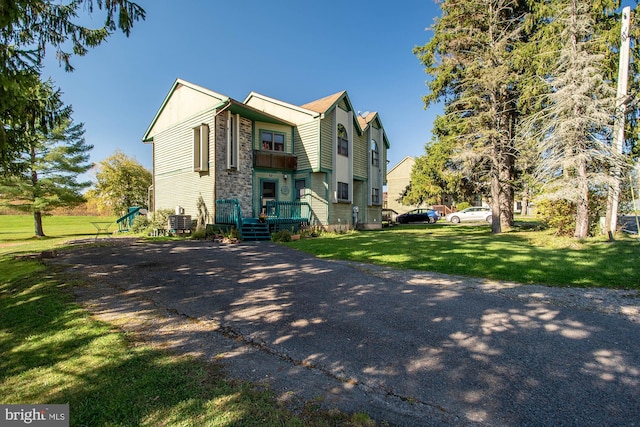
(288, 211)
(228, 212)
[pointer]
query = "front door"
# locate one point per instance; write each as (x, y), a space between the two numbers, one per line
(267, 192)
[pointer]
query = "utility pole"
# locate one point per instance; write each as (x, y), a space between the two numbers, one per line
(618, 128)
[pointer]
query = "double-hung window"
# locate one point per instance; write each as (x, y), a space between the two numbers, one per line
(343, 191)
(375, 154)
(272, 141)
(343, 141)
(375, 196)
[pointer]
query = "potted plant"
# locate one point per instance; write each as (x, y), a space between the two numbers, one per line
(262, 217)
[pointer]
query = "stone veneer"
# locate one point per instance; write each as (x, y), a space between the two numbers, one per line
(234, 183)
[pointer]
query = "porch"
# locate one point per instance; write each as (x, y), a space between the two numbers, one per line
(279, 216)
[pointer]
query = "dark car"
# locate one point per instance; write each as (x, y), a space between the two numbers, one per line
(418, 215)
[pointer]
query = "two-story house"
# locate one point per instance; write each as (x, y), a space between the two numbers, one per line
(209, 147)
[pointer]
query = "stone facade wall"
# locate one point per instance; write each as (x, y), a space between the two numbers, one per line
(234, 183)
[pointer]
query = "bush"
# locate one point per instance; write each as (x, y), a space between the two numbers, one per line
(463, 205)
(281, 236)
(559, 214)
(140, 224)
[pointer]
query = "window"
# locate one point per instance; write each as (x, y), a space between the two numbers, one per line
(233, 126)
(375, 196)
(201, 148)
(375, 154)
(343, 141)
(300, 185)
(272, 141)
(343, 191)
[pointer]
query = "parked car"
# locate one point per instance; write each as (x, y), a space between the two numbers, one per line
(476, 213)
(418, 215)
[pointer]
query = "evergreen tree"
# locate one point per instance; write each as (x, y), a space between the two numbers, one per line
(27, 28)
(470, 60)
(573, 124)
(53, 158)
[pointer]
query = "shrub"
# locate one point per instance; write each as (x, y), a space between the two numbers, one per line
(140, 224)
(463, 205)
(559, 214)
(281, 236)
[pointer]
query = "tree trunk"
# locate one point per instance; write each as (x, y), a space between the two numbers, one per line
(37, 222)
(582, 204)
(496, 223)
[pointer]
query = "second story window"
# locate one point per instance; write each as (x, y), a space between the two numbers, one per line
(343, 141)
(375, 154)
(272, 141)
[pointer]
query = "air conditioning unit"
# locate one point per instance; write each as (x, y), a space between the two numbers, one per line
(180, 223)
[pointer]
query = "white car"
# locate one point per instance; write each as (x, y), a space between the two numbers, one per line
(477, 213)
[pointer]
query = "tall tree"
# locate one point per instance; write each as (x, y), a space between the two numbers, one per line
(574, 126)
(51, 163)
(27, 28)
(470, 61)
(122, 182)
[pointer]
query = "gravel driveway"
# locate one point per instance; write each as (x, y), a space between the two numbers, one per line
(408, 348)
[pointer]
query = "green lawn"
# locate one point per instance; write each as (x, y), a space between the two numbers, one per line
(471, 250)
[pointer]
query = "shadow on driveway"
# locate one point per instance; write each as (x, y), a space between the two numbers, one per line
(408, 348)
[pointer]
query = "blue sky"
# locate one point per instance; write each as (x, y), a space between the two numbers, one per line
(293, 50)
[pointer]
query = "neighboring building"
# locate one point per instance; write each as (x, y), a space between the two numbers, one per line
(398, 178)
(208, 147)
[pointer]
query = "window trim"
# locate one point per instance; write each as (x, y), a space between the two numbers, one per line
(343, 142)
(273, 140)
(342, 190)
(375, 196)
(233, 141)
(375, 154)
(201, 148)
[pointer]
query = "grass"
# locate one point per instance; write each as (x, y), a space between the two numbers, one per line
(53, 351)
(523, 256)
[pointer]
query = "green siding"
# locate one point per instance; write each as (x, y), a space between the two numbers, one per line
(175, 183)
(307, 147)
(326, 142)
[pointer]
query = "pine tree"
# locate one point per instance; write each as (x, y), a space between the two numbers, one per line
(51, 163)
(470, 60)
(573, 125)
(27, 29)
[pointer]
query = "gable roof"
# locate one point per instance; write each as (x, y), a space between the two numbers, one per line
(325, 104)
(366, 121)
(222, 99)
(220, 102)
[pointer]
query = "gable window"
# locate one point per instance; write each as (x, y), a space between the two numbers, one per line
(343, 141)
(375, 196)
(272, 141)
(201, 148)
(300, 185)
(343, 191)
(375, 154)
(233, 134)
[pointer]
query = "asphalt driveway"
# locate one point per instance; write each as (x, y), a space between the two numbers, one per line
(407, 349)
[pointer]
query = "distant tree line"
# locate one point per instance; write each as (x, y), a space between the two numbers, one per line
(529, 95)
